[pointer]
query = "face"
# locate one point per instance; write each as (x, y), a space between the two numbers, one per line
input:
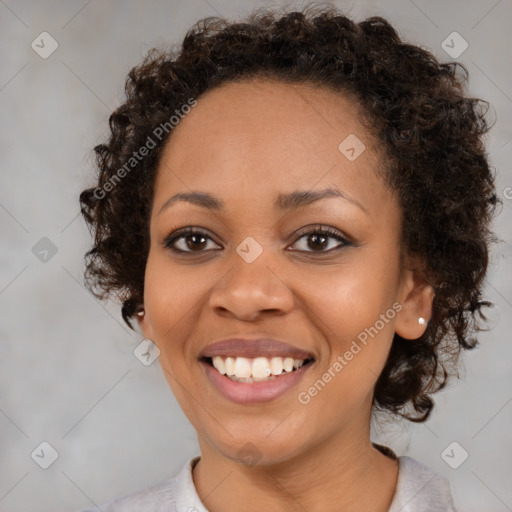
(261, 266)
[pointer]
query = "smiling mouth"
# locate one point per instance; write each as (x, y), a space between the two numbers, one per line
(258, 369)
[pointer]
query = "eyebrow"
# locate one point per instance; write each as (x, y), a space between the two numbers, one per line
(290, 201)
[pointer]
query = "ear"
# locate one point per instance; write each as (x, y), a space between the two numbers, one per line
(144, 321)
(416, 297)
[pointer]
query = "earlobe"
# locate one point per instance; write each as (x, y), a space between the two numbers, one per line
(144, 323)
(417, 299)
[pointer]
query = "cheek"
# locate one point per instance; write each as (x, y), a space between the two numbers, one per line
(353, 309)
(171, 299)
(357, 322)
(171, 291)
(347, 300)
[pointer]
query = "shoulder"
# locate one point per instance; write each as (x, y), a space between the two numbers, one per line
(420, 489)
(165, 496)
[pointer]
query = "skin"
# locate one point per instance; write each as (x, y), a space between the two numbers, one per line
(245, 143)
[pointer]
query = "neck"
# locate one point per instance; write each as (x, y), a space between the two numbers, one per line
(344, 472)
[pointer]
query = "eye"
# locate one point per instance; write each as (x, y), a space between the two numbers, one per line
(318, 239)
(188, 240)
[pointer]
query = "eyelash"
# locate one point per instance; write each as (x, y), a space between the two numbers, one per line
(320, 230)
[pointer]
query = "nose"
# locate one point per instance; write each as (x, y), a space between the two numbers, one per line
(250, 290)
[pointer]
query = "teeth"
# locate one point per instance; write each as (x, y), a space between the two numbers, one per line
(242, 367)
(229, 365)
(288, 364)
(260, 368)
(218, 364)
(257, 369)
(276, 365)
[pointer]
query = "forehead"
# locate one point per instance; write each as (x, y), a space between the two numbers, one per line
(262, 137)
(270, 112)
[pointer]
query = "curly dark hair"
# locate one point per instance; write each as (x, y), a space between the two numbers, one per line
(431, 135)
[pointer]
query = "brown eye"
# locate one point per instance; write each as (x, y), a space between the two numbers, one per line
(188, 240)
(321, 240)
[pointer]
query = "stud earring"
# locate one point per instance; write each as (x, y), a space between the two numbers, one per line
(140, 312)
(421, 321)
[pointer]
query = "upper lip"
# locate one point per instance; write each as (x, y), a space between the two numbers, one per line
(251, 348)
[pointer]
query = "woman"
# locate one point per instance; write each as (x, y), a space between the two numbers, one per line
(296, 211)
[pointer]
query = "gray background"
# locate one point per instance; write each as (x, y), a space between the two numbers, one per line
(68, 374)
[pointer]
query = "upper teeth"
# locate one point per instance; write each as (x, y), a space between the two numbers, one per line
(257, 368)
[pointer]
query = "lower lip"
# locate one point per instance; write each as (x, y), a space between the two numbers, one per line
(254, 392)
